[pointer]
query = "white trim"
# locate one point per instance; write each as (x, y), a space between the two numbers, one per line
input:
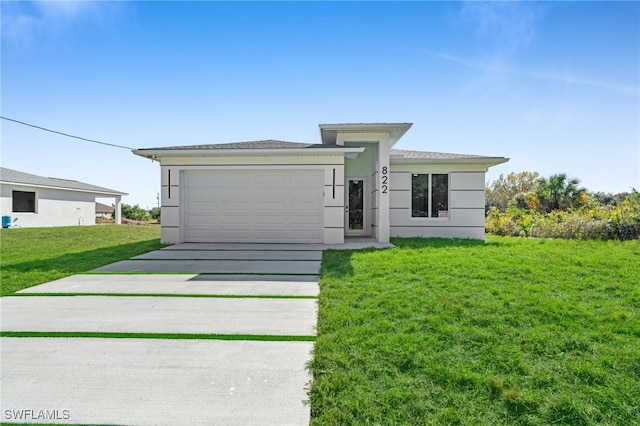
(486, 162)
(273, 152)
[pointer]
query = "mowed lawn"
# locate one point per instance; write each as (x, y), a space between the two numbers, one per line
(30, 256)
(448, 332)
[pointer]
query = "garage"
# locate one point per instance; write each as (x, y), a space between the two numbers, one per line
(268, 206)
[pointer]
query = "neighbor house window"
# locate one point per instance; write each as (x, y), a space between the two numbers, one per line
(430, 195)
(24, 202)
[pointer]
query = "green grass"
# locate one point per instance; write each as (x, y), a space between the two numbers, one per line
(31, 256)
(454, 332)
(133, 335)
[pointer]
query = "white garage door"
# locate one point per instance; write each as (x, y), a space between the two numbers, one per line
(253, 206)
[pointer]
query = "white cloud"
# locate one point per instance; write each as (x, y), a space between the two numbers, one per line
(509, 24)
(25, 21)
(498, 67)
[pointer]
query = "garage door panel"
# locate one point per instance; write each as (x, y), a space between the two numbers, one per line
(235, 207)
(305, 205)
(303, 192)
(270, 179)
(250, 205)
(203, 206)
(199, 192)
(273, 207)
(270, 193)
(314, 179)
(267, 222)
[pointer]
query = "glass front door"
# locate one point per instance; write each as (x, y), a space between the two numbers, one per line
(355, 207)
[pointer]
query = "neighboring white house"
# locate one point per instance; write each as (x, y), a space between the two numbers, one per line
(36, 201)
(351, 184)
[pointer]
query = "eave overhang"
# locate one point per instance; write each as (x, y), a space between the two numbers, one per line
(62, 188)
(486, 161)
(157, 154)
(329, 132)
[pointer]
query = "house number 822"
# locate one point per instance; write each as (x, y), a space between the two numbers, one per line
(385, 180)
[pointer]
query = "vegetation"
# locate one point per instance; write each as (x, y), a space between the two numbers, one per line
(526, 205)
(135, 213)
(33, 256)
(444, 332)
(155, 213)
(504, 189)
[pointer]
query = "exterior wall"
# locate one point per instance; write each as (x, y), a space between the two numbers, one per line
(466, 203)
(332, 165)
(54, 207)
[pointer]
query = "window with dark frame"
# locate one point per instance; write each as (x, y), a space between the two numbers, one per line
(24, 202)
(430, 195)
(419, 195)
(439, 195)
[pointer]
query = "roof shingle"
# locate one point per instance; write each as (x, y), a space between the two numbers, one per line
(427, 155)
(15, 176)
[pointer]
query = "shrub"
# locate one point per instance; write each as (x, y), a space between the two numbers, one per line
(135, 213)
(586, 223)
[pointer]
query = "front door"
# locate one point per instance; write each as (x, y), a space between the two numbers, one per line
(356, 216)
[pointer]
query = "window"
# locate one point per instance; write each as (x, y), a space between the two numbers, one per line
(430, 195)
(24, 202)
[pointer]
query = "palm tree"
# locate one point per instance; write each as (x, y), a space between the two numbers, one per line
(560, 193)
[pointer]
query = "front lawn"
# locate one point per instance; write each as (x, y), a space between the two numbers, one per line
(511, 331)
(30, 256)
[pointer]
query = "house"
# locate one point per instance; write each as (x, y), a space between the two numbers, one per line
(36, 201)
(352, 184)
(104, 211)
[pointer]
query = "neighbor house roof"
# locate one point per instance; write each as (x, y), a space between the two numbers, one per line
(103, 208)
(27, 179)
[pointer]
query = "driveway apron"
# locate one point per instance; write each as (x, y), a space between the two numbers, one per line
(191, 334)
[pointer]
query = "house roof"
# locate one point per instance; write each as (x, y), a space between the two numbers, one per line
(401, 155)
(103, 208)
(27, 179)
(269, 146)
(278, 147)
(263, 144)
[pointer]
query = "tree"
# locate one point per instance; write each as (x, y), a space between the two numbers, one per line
(135, 212)
(503, 190)
(608, 199)
(557, 192)
(155, 213)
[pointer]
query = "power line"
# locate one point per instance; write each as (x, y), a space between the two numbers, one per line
(66, 134)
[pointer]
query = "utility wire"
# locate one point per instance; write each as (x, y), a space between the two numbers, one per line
(65, 134)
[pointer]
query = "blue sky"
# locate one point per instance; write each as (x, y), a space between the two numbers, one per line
(555, 86)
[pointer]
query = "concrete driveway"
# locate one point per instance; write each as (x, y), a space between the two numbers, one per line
(191, 334)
